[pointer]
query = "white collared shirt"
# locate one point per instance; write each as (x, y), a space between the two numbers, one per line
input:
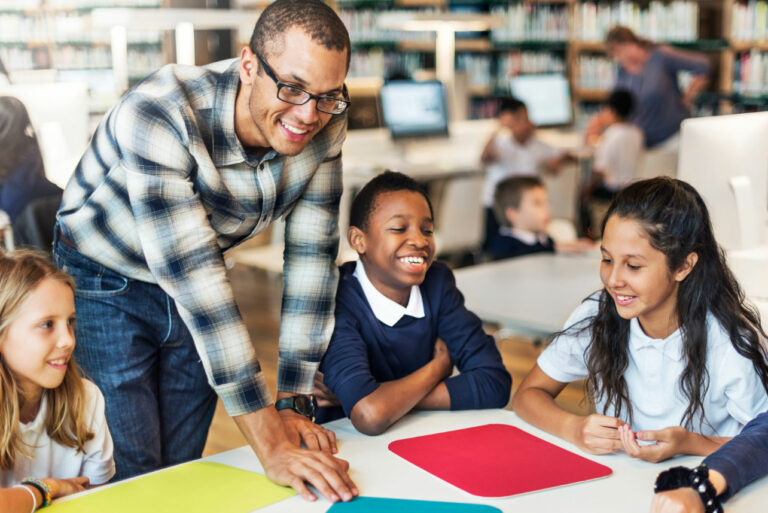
(386, 310)
(734, 397)
(524, 236)
(47, 458)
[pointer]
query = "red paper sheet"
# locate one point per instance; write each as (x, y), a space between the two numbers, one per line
(496, 460)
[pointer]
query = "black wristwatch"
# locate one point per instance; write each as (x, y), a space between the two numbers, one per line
(697, 478)
(301, 404)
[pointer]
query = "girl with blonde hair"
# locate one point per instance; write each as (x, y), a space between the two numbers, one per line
(54, 439)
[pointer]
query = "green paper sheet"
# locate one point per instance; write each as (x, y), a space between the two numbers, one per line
(196, 487)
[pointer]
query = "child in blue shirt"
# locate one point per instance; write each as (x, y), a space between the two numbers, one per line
(401, 323)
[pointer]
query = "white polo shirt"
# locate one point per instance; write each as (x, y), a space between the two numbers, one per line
(49, 459)
(735, 394)
(515, 159)
(619, 154)
(386, 310)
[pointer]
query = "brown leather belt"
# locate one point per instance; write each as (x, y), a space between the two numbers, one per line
(66, 241)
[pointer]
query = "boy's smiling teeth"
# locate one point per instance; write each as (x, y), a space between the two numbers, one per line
(293, 129)
(412, 259)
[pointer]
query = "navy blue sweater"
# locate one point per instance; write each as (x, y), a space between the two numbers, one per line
(364, 352)
(509, 246)
(745, 457)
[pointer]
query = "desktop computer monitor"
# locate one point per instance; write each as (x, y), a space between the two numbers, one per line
(413, 109)
(547, 98)
(725, 158)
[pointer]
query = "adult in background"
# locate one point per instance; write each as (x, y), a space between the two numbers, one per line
(190, 163)
(22, 178)
(649, 71)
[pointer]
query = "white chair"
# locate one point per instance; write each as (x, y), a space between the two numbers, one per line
(459, 215)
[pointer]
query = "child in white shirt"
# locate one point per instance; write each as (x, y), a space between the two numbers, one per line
(511, 151)
(54, 439)
(668, 347)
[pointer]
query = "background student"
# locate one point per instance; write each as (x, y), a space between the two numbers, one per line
(730, 468)
(54, 439)
(668, 346)
(22, 175)
(617, 156)
(401, 323)
(522, 207)
(514, 150)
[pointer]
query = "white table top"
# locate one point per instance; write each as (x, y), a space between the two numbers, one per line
(380, 473)
(532, 294)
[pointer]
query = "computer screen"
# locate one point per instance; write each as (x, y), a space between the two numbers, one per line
(414, 108)
(547, 97)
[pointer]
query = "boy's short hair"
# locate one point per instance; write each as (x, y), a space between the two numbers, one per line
(622, 102)
(388, 181)
(509, 194)
(511, 105)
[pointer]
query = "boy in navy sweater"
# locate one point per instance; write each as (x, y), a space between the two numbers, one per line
(401, 323)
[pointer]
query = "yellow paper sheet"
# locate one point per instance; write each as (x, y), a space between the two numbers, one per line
(196, 487)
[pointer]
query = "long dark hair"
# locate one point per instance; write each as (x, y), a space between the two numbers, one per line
(677, 223)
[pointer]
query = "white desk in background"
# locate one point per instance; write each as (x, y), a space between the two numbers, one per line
(532, 295)
(380, 473)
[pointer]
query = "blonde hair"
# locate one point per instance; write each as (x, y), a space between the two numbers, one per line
(20, 273)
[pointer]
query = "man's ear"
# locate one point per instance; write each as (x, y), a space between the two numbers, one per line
(356, 239)
(687, 267)
(248, 66)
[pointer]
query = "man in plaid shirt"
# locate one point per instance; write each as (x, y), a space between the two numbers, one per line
(190, 163)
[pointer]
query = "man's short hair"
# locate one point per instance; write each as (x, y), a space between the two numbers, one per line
(509, 194)
(388, 181)
(511, 105)
(622, 102)
(315, 18)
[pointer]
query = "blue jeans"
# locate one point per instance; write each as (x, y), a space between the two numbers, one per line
(133, 344)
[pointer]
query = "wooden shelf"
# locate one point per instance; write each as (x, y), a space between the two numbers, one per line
(590, 95)
(745, 46)
(462, 45)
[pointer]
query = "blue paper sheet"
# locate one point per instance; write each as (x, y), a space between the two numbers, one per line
(379, 505)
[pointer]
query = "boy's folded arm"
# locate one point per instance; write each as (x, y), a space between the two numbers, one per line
(375, 412)
(484, 381)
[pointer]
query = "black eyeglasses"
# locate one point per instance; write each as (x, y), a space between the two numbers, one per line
(298, 96)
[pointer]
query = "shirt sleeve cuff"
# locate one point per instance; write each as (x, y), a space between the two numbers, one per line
(296, 376)
(245, 396)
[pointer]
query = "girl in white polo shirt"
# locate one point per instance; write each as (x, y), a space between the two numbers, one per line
(668, 347)
(54, 439)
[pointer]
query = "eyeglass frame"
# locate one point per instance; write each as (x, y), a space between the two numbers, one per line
(280, 84)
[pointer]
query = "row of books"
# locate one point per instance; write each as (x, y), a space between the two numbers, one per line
(61, 28)
(674, 21)
(75, 4)
(750, 73)
(749, 21)
(378, 63)
(531, 22)
(596, 72)
(363, 27)
(66, 57)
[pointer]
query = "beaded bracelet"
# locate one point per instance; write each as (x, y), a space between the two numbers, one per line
(697, 478)
(45, 491)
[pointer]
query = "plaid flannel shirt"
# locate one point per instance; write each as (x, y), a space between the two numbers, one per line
(165, 188)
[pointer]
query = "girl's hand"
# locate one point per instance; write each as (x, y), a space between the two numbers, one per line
(598, 434)
(682, 500)
(64, 487)
(669, 442)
